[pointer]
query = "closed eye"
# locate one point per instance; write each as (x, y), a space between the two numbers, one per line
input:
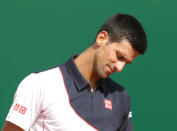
(120, 57)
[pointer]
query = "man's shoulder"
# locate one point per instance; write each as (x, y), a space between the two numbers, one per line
(48, 70)
(48, 80)
(43, 77)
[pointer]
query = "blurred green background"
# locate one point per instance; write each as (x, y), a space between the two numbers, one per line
(40, 34)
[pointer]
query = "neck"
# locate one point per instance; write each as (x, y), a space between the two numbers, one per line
(85, 64)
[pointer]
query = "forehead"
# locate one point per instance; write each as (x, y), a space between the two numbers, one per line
(125, 48)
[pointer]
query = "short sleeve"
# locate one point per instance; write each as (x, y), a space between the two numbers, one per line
(127, 121)
(26, 105)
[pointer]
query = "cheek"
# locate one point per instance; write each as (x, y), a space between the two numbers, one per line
(103, 57)
(112, 57)
(101, 71)
(100, 56)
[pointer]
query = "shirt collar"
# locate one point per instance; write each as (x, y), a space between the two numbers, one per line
(75, 74)
(102, 84)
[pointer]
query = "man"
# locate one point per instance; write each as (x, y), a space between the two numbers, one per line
(79, 95)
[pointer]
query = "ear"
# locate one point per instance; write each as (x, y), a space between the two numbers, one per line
(102, 38)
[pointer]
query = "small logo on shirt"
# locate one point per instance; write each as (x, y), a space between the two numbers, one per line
(130, 114)
(108, 104)
(20, 109)
(16, 107)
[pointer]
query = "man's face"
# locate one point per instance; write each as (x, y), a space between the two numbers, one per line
(112, 57)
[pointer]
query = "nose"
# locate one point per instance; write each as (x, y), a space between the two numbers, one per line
(120, 65)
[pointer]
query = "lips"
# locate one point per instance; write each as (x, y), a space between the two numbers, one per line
(110, 70)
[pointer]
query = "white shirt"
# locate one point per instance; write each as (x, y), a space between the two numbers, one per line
(41, 103)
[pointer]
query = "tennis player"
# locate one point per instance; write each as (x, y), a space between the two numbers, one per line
(79, 95)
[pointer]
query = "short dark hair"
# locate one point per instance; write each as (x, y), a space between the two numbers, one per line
(125, 27)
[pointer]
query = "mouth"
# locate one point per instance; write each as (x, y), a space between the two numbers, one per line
(110, 71)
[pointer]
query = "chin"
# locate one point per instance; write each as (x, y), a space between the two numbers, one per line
(104, 76)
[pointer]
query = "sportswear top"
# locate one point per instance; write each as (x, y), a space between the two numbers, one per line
(61, 99)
